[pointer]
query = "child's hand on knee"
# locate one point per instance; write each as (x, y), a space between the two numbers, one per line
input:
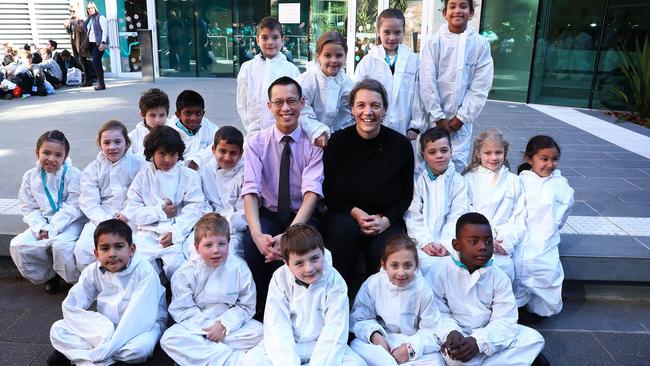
(169, 209)
(166, 240)
(43, 235)
(216, 333)
(401, 353)
(462, 349)
(377, 339)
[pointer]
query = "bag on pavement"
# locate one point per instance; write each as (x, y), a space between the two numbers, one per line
(74, 77)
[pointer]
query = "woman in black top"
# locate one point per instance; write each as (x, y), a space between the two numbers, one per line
(368, 184)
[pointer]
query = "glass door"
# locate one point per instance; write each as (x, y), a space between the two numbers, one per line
(131, 17)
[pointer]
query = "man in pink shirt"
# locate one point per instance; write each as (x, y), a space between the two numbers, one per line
(283, 176)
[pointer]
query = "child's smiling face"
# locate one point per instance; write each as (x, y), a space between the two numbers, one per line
(51, 155)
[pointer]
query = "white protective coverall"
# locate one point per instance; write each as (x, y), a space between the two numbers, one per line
(253, 81)
(483, 307)
(539, 273)
(40, 260)
(145, 200)
(436, 205)
(405, 109)
(198, 147)
(222, 188)
(327, 101)
(137, 136)
(305, 325)
(406, 314)
(131, 315)
(455, 79)
(500, 198)
(104, 185)
(203, 295)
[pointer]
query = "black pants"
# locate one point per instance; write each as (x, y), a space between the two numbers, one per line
(96, 56)
(349, 248)
(262, 272)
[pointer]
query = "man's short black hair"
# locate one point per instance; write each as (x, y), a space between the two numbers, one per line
(470, 218)
(115, 227)
(53, 43)
(285, 80)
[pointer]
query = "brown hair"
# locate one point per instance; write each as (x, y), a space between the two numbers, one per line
(113, 125)
(470, 2)
(389, 13)
(211, 223)
(153, 98)
(372, 85)
(300, 239)
(53, 136)
(493, 135)
(270, 23)
(330, 37)
(399, 242)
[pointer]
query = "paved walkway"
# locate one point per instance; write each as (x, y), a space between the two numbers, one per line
(608, 165)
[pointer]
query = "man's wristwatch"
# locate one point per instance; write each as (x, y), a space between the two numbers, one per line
(411, 351)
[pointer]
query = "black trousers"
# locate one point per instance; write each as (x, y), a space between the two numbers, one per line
(262, 272)
(350, 248)
(96, 56)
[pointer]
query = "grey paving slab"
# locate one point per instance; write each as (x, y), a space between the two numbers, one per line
(598, 316)
(602, 246)
(622, 209)
(33, 327)
(8, 316)
(583, 209)
(599, 183)
(42, 357)
(600, 172)
(575, 349)
(566, 160)
(635, 196)
(22, 294)
(624, 155)
(579, 146)
(627, 349)
(624, 124)
(570, 172)
(641, 312)
(20, 354)
(643, 239)
(589, 155)
(594, 195)
(623, 163)
(643, 183)
(647, 171)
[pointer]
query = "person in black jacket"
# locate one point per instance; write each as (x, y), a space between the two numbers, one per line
(67, 61)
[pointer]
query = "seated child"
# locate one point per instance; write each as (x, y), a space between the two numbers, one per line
(66, 62)
(478, 297)
(256, 75)
(307, 310)
(222, 179)
(196, 131)
(165, 200)
(131, 306)
(498, 194)
(213, 302)
(104, 184)
(439, 197)
(154, 108)
(549, 197)
(51, 69)
(49, 197)
(394, 317)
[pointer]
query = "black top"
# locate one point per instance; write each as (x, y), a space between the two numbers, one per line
(374, 175)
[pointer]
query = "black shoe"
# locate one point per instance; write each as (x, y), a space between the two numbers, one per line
(540, 360)
(528, 318)
(52, 285)
(58, 359)
(100, 87)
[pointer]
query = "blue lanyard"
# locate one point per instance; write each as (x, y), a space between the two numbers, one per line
(55, 206)
(462, 265)
(184, 129)
(392, 66)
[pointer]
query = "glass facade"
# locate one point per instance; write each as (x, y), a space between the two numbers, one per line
(413, 14)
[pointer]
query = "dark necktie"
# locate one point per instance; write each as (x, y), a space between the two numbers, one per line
(284, 198)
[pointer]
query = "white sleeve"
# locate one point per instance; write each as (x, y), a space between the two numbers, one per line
(428, 82)
(135, 209)
(244, 308)
(69, 211)
(279, 341)
(459, 206)
(183, 308)
(512, 231)
(561, 211)
(242, 94)
(90, 200)
(308, 118)
(432, 329)
(479, 86)
(32, 214)
(501, 329)
(103, 23)
(238, 218)
(92, 326)
(190, 213)
(363, 317)
(333, 339)
(447, 322)
(414, 217)
(361, 71)
(140, 314)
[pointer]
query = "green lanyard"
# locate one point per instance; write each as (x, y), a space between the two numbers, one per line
(391, 65)
(184, 129)
(55, 206)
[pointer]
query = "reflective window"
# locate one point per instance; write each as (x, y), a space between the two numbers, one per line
(413, 14)
(366, 32)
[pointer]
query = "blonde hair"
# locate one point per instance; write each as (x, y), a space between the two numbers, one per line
(92, 3)
(493, 135)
